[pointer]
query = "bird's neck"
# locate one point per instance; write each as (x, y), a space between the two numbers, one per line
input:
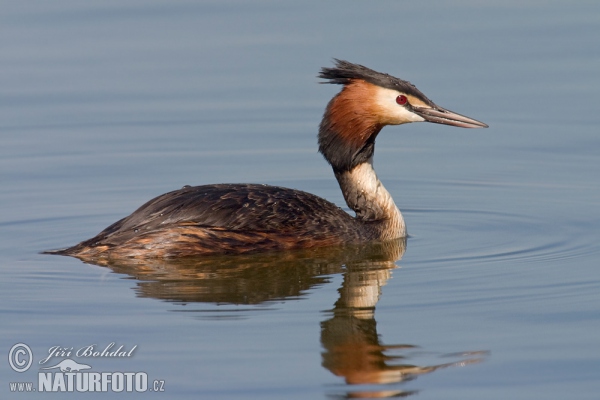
(364, 193)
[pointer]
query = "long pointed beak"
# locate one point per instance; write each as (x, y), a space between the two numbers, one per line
(440, 115)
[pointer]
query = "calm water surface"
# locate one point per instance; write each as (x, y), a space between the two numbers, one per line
(496, 294)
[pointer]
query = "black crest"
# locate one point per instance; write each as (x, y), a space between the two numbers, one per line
(344, 72)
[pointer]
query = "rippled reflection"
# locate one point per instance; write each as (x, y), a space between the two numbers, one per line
(352, 347)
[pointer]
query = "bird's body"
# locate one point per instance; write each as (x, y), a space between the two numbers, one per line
(240, 218)
(225, 218)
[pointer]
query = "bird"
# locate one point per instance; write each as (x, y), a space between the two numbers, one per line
(243, 218)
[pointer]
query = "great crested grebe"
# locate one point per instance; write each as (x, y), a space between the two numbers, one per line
(240, 218)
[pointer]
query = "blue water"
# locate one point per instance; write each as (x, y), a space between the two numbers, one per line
(104, 105)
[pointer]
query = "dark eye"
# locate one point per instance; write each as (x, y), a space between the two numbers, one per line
(401, 99)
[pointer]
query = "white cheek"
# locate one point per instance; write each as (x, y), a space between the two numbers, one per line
(403, 115)
(394, 113)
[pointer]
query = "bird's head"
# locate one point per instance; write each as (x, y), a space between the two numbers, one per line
(369, 101)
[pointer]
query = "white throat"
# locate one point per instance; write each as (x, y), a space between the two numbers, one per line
(365, 194)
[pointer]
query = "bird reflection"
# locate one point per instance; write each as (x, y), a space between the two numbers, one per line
(352, 347)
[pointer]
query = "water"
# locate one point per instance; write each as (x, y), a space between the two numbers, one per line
(496, 295)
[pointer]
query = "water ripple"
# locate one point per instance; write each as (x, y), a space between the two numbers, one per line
(504, 237)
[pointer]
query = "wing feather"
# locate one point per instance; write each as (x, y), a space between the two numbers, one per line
(236, 207)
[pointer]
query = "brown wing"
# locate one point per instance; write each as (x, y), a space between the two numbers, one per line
(236, 208)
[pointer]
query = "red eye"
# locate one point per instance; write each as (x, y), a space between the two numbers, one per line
(401, 99)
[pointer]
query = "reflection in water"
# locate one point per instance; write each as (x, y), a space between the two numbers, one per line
(352, 347)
